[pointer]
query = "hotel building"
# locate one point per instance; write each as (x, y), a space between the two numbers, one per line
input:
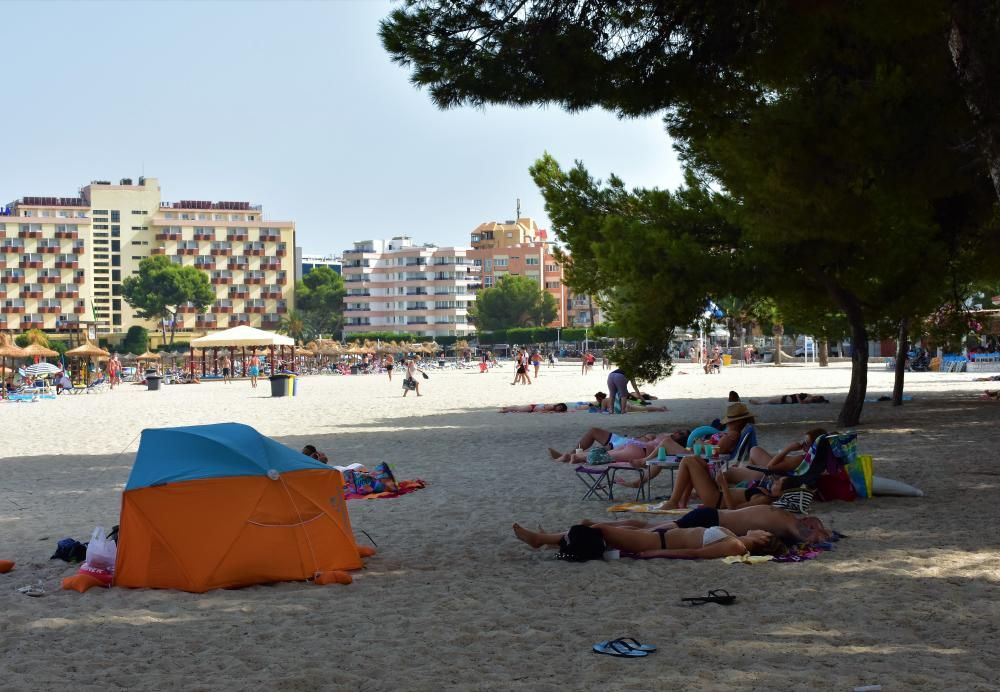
(396, 286)
(520, 247)
(62, 260)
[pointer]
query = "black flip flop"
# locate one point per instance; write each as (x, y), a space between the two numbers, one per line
(720, 596)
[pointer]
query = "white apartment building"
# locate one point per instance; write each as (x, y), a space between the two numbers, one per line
(396, 286)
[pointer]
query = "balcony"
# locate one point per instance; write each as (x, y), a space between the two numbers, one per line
(282, 278)
(15, 309)
(66, 264)
(237, 320)
(242, 234)
(67, 324)
(12, 279)
(206, 322)
(281, 250)
(252, 250)
(78, 248)
(168, 235)
(79, 277)
(221, 251)
(30, 263)
(187, 308)
(256, 309)
(222, 309)
(32, 291)
(270, 293)
(67, 234)
(67, 293)
(158, 251)
(269, 236)
(49, 249)
(270, 266)
(50, 279)
(205, 266)
(253, 279)
(222, 280)
(204, 235)
(270, 322)
(240, 263)
(49, 309)
(12, 248)
(3, 262)
(32, 322)
(79, 309)
(240, 292)
(187, 250)
(30, 233)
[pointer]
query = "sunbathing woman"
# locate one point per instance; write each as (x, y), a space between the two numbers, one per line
(991, 394)
(692, 543)
(623, 448)
(791, 528)
(788, 459)
(693, 476)
(543, 408)
(801, 398)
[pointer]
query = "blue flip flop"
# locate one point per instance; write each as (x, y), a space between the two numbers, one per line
(618, 648)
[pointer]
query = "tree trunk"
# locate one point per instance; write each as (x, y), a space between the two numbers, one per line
(163, 328)
(901, 350)
(971, 23)
(823, 351)
(779, 333)
(173, 330)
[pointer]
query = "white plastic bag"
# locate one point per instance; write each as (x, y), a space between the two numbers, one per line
(101, 552)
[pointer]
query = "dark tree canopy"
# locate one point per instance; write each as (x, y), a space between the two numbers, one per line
(837, 134)
(319, 300)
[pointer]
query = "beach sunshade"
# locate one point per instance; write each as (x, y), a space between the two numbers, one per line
(222, 506)
(149, 355)
(42, 369)
(9, 349)
(87, 350)
(242, 336)
(32, 350)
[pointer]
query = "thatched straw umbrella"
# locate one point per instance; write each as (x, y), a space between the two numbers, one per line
(8, 349)
(88, 351)
(32, 350)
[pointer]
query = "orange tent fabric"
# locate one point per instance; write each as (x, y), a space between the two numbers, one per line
(233, 531)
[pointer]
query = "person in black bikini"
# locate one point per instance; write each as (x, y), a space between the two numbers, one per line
(801, 398)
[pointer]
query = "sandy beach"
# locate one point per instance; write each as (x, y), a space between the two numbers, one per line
(453, 601)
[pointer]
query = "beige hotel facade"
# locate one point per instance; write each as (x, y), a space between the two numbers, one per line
(63, 259)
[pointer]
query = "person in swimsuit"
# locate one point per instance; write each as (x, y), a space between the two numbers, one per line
(389, 362)
(663, 541)
(788, 459)
(227, 369)
(542, 408)
(254, 371)
(619, 443)
(801, 398)
(791, 528)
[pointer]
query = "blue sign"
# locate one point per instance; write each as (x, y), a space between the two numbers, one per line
(6, 211)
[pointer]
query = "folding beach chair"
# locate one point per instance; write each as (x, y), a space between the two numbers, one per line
(828, 456)
(600, 480)
(747, 441)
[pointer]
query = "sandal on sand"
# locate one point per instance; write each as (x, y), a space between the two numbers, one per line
(720, 596)
(630, 642)
(34, 590)
(619, 649)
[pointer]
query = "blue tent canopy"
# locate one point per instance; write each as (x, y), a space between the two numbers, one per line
(171, 455)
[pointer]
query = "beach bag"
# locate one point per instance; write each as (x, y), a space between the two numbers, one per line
(409, 383)
(598, 455)
(581, 543)
(425, 375)
(835, 486)
(860, 472)
(101, 551)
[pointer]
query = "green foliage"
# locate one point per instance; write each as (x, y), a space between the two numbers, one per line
(33, 336)
(294, 325)
(515, 301)
(384, 336)
(319, 297)
(136, 340)
(21, 340)
(161, 287)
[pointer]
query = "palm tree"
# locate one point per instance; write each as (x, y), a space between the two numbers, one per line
(294, 325)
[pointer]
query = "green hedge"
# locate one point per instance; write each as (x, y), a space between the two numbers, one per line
(533, 335)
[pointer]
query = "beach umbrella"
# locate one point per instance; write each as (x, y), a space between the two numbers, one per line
(90, 352)
(8, 349)
(33, 350)
(42, 368)
(148, 355)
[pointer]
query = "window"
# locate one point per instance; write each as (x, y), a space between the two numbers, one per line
(116, 320)
(116, 260)
(139, 211)
(137, 242)
(510, 234)
(116, 304)
(551, 267)
(116, 216)
(552, 284)
(116, 246)
(477, 263)
(531, 260)
(100, 226)
(500, 262)
(116, 289)
(116, 274)
(488, 281)
(100, 211)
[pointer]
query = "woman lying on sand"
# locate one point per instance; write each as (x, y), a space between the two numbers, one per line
(991, 378)
(787, 460)
(791, 528)
(802, 398)
(992, 394)
(662, 541)
(544, 408)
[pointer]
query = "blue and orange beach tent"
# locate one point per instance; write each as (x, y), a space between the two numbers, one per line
(222, 506)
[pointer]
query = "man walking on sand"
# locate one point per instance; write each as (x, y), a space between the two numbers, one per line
(389, 362)
(227, 369)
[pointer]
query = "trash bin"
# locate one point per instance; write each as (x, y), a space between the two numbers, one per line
(281, 385)
(153, 383)
(727, 359)
(355, 370)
